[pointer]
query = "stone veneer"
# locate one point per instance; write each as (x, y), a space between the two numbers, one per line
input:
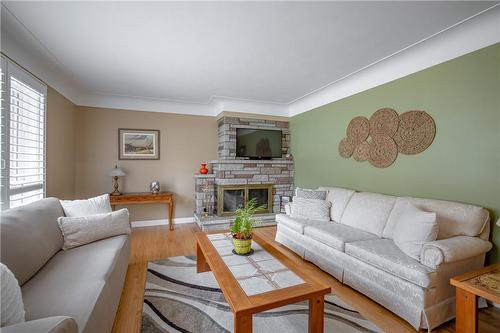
(227, 133)
(227, 170)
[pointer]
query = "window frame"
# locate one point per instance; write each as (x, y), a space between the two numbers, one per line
(11, 68)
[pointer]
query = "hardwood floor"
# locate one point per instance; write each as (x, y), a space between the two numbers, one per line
(153, 243)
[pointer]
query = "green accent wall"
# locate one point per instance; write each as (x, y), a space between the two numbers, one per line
(463, 162)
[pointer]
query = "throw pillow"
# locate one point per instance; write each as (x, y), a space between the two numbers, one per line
(87, 229)
(12, 307)
(310, 209)
(415, 228)
(310, 194)
(97, 205)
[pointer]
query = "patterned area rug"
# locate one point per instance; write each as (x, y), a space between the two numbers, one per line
(177, 299)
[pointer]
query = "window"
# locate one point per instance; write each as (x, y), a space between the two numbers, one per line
(22, 136)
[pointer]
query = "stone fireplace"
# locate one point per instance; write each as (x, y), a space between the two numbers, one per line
(244, 175)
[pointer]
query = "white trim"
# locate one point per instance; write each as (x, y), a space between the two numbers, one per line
(214, 107)
(164, 222)
(472, 34)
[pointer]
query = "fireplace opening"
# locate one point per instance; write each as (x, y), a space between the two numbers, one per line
(232, 197)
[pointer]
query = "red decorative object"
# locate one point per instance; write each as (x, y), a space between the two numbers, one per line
(203, 169)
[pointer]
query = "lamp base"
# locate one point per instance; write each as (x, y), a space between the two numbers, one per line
(116, 193)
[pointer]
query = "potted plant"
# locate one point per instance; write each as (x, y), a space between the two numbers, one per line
(242, 228)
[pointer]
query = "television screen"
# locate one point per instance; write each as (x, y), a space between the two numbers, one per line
(257, 143)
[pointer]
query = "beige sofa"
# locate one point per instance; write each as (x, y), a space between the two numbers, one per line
(71, 291)
(356, 247)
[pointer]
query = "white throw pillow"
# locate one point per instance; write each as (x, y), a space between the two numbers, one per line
(310, 209)
(87, 229)
(92, 206)
(310, 194)
(415, 228)
(12, 307)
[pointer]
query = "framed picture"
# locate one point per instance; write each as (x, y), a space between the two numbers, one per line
(138, 144)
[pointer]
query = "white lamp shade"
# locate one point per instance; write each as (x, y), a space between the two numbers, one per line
(498, 222)
(116, 173)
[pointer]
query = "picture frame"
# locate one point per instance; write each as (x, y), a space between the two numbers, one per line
(138, 144)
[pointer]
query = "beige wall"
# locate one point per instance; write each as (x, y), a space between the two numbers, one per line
(185, 142)
(61, 116)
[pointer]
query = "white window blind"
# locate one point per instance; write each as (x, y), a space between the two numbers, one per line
(23, 136)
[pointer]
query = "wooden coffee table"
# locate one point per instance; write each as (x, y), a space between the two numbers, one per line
(271, 284)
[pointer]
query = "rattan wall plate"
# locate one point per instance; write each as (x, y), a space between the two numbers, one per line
(416, 132)
(383, 151)
(384, 122)
(358, 129)
(410, 133)
(346, 148)
(361, 152)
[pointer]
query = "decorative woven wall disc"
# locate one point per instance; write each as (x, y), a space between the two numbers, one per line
(384, 122)
(361, 152)
(358, 129)
(346, 148)
(416, 132)
(383, 151)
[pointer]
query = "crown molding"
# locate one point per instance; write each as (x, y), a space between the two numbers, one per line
(213, 108)
(472, 34)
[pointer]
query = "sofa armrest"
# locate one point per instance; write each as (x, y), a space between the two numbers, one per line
(453, 249)
(288, 208)
(58, 324)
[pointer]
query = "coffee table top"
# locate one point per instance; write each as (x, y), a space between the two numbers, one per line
(266, 281)
(256, 273)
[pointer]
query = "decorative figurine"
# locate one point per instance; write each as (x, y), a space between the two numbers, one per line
(155, 187)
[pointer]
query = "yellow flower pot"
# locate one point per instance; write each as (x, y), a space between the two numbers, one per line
(242, 246)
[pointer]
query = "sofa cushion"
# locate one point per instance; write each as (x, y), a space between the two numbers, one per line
(415, 228)
(296, 224)
(335, 235)
(310, 194)
(12, 307)
(385, 255)
(30, 237)
(87, 229)
(85, 207)
(310, 209)
(72, 281)
(368, 212)
(453, 218)
(339, 197)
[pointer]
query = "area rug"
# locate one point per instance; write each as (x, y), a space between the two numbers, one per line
(177, 299)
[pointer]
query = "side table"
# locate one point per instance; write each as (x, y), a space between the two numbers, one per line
(146, 198)
(484, 282)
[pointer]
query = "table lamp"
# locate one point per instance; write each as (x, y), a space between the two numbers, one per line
(115, 173)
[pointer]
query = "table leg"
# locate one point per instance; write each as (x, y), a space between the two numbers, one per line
(243, 323)
(201, 261)
(170, 214)
(466, 308)
(316, 314)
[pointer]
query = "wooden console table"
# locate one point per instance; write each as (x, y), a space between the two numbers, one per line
(484, 282)
(146, 198)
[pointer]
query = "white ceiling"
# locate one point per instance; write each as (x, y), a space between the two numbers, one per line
(273, 52)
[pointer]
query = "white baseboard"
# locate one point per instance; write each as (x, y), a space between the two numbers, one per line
(152, 223)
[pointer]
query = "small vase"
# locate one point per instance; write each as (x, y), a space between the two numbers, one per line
(242, 246)
(203, 169)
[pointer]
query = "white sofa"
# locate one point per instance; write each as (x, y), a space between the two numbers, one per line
(356, 247)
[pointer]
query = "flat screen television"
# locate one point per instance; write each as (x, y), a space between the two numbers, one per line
(258, 143)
